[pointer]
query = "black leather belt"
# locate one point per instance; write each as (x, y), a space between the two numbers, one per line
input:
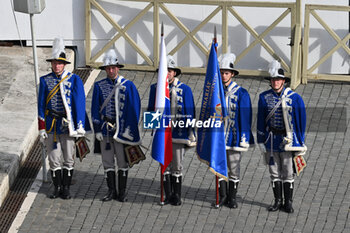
(56, 114)
(276, 131)
(109, 120)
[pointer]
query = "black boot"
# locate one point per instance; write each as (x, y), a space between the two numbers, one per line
(232, 192)
(67, 179)
(223, 192)
(177, 181)
(57, 183)
(277, 192)
(288, 196)
(112, 191)
(122, 179)
(167, 188)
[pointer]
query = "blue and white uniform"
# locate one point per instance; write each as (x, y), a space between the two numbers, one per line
(281, 128)
(69, 100)
(61, 115)
(238, 133)
(118, 120)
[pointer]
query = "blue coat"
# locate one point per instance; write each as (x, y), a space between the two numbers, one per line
(290, 117)
(183, 109)
(123, 108)
(238, 134)
(70, 99)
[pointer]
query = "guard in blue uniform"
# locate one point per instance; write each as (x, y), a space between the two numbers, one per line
(281, 134)
(182, 109)
(238, 133)
(115, 113)
(62, 118)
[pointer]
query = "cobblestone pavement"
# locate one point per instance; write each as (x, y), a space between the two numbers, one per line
(321, 196)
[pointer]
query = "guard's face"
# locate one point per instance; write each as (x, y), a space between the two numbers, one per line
(112, 71)
(226, 76)
(277, 84)
(58, 66)
(171, 76)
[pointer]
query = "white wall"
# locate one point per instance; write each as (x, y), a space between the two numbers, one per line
(64, 18)
(67, 19)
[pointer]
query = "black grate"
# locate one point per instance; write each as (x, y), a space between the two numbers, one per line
(83, 73)
(20, 187)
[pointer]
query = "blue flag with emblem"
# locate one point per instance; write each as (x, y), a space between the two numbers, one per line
(211, 146)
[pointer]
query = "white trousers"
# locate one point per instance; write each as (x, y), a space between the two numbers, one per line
(65, 148)
(176, 167)
(282, 169)
(233, 164)
(116, 152)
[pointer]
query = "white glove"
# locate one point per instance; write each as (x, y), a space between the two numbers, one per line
(80, 131)
(43, 135)
(287, 140)
(99, 136)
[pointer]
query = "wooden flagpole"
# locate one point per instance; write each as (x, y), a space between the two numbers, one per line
(161, 173)
(216, 177)
(161, 186)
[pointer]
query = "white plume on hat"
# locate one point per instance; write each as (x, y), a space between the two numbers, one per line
(171, 61)
(227, 60)
(110, 58)
(274, 66)
(172, 65)
(57, 47)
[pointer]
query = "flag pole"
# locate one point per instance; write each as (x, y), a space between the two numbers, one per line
(216, 177)
(161, 173)
(161, 186)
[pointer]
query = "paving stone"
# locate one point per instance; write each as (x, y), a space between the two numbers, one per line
(321, 191)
